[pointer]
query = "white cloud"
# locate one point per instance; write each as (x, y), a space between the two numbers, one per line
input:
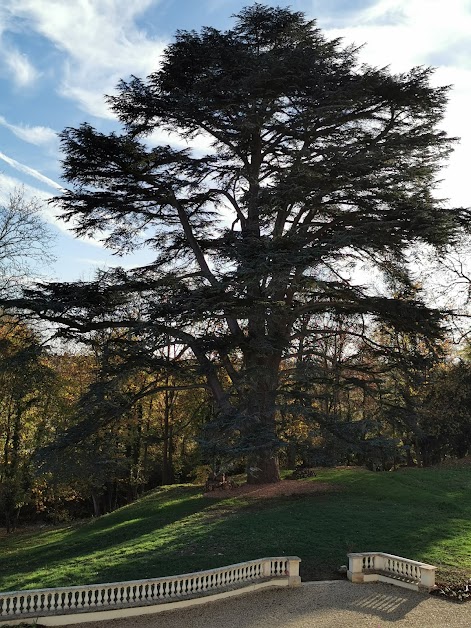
(30, 171)
(19, 67)
(101, 40)
(401, 33)
(8, 185)
(38, 135)
(404, 33)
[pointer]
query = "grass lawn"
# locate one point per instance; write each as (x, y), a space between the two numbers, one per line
(424, 514)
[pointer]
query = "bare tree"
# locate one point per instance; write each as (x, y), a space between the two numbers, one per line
(25, 242)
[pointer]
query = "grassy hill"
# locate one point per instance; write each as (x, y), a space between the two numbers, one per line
(424, 514)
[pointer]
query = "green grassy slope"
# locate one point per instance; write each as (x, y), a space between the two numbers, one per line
(423, 514)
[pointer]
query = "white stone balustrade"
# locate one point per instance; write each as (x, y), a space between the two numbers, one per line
(282, 571)
(381, 567)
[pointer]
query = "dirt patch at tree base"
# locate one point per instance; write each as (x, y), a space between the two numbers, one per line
(279, 489)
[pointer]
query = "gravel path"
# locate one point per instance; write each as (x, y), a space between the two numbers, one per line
(337, 604)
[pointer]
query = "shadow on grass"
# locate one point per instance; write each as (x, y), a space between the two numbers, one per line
(74, 554)
(177, 530)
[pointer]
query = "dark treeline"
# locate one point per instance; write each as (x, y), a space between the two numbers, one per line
(383, 403)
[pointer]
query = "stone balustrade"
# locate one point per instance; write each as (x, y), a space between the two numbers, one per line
(378, 566)
(40, 603)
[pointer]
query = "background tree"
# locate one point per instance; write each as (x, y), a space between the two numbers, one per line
(315, 164)
(26, 410)
(131, 422)
(447, 411)
(25, 242)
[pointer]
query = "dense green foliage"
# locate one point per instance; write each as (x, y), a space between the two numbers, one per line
(29, 411)
(423, 514)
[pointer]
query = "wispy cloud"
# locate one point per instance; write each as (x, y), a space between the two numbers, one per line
(19, 67)
(401, 33)
(38, 135)
(216, 5)
(101, 40)
(9, 185)
(50, 211)
(30, 171)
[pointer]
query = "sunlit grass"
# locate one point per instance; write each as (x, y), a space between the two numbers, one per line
(423, 514)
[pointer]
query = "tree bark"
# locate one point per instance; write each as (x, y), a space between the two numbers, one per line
(260, 410)
(263, 468)
(168, 475)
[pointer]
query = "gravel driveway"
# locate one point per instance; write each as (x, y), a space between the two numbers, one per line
(337, 604)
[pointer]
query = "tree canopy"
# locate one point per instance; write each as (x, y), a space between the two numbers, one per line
(301, 163)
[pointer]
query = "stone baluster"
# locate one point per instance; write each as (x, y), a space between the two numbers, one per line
(266, 568)
(84, 598)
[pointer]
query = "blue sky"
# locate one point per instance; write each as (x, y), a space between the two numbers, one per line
(59, 57)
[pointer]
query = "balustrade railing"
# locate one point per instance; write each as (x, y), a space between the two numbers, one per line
(99, 597)
(373, 566)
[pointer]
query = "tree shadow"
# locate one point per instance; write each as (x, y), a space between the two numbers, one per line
(177, 530)
(323, 605)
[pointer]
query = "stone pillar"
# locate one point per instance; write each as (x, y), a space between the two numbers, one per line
(355, 568)
(293, 571)
(427, 577)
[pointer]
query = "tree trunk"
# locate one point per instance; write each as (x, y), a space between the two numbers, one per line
(96, 504)
(292, 454)
(260, 410)
(263, 468)
(168, 475)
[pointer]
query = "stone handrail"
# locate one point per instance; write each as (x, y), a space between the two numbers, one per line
(113, 595)
(378, 566)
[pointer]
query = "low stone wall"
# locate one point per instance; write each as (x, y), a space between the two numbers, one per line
(69, 605)
(381, 567)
